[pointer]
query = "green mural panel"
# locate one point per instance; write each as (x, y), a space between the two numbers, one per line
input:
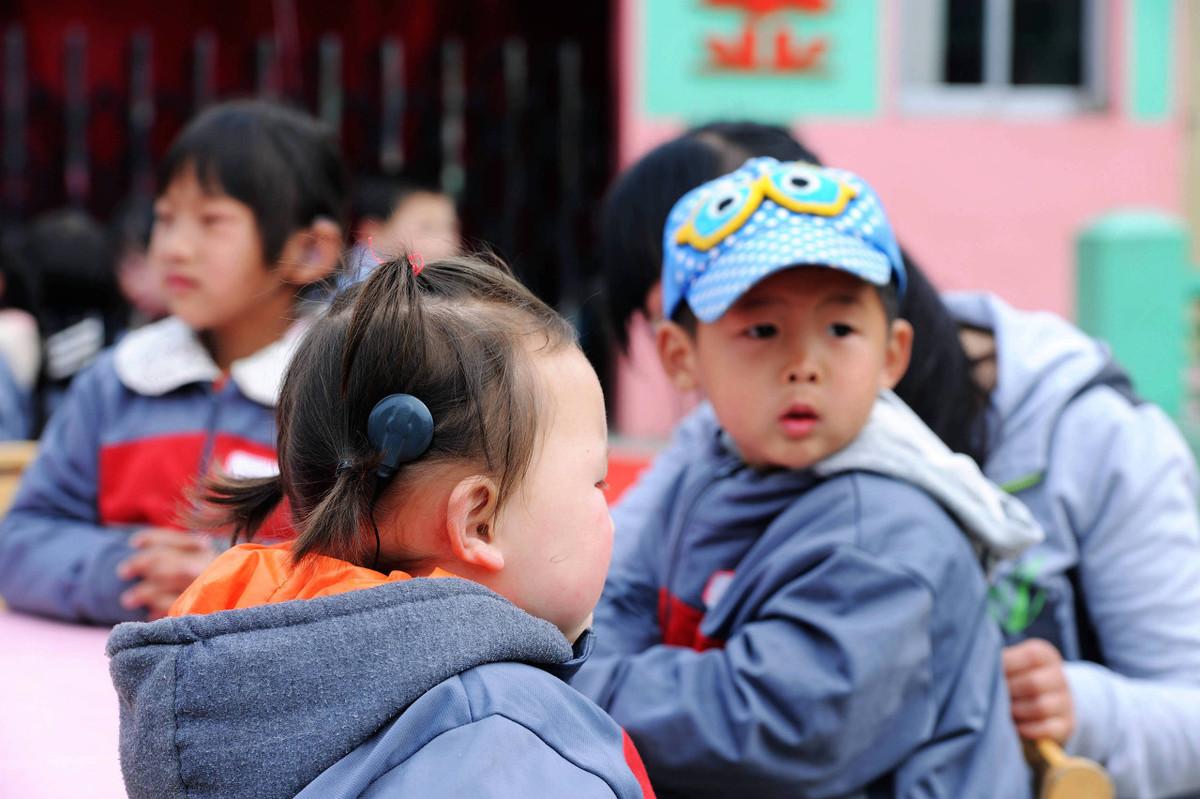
(709, 58)
(1151, 53)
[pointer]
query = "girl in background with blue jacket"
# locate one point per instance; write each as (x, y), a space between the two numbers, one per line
(249, 213)
(443, 449)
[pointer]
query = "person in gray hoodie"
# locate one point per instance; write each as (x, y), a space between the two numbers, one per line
(442, 448)
(1114, 591)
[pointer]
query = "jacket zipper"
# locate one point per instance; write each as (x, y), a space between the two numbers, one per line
(210, 432)
(720, 472)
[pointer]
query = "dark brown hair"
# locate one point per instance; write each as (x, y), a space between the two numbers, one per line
(458, 337)
(281, 162)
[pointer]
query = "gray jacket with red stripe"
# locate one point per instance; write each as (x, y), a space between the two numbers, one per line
(137, 428)
(784, 633)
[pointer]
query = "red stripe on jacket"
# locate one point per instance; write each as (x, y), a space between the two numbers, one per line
(148, 481)
(680, 624)
(634, 761)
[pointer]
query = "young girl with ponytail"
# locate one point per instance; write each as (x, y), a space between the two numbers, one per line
(442, 448)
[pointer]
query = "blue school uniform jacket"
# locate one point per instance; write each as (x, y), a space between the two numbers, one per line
(137, 428)
(423, 688)
(1116, 584)
(14, 407)
(791, 633)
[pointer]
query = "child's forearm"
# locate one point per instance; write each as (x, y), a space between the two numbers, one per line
(64, 568)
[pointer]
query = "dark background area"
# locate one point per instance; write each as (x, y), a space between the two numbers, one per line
(528, 156)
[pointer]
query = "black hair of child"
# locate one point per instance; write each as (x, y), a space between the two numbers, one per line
(636, 206)
(70, 265)
(15, 289)
(456, 336)
(282, 163)
(939, 384)
(131, 224)
(378, 196)
(69, 268)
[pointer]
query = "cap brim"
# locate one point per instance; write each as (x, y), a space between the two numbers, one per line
(731, 274)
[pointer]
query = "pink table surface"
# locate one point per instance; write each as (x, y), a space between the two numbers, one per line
(58, 711)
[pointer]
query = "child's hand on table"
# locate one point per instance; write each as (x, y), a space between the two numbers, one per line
(166, 563)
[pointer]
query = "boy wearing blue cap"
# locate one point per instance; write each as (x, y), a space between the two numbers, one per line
(800, 609)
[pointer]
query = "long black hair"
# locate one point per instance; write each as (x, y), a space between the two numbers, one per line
(939, 385)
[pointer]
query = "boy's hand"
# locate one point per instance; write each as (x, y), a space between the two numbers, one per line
(1041, 698)
(165, 564)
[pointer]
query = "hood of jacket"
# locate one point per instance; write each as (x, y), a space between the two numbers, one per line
(895, 442)
(1042, 362)
(259, 701)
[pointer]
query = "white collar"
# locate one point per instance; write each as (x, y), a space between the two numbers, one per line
(166, 355)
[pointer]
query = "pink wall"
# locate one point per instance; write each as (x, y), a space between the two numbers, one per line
(982, 203)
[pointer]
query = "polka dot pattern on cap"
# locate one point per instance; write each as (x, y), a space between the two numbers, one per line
(727, 235)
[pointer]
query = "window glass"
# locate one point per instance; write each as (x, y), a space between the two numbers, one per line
(1047, 43)
(963, 55)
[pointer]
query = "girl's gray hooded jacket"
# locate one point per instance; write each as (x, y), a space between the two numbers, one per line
(418, 688)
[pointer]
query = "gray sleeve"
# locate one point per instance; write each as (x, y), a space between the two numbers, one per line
(1129, 492)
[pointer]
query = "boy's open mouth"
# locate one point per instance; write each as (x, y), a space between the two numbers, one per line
(798, 420)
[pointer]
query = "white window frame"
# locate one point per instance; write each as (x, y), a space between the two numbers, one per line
(922, 49)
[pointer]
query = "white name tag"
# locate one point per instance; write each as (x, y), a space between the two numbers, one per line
(246, 464)
(718, 584)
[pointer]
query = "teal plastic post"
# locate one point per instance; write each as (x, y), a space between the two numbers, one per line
(1133, 290)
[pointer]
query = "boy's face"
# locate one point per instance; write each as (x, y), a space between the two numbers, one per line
(423, 222)
(794, 366)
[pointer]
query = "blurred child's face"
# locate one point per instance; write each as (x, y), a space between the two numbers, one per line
(206, 251)
(141, 284)
(425, 223)
(555, 530)
(794, 366)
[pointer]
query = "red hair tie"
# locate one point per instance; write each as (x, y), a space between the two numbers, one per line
(416, 262)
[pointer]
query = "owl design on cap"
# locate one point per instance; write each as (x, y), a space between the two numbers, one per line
(797, 186)
(724, 236)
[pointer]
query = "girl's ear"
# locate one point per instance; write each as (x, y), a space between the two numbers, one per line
(677, 351)
(899, 350)
(471, 523)
(311, 254)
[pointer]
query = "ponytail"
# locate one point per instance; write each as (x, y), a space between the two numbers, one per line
(334, 526)
(242, 504)
(454, 334)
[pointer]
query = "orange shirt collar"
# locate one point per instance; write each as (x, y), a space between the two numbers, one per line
(255, 574)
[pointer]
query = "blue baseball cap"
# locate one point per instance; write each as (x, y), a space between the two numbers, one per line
(725, 236)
